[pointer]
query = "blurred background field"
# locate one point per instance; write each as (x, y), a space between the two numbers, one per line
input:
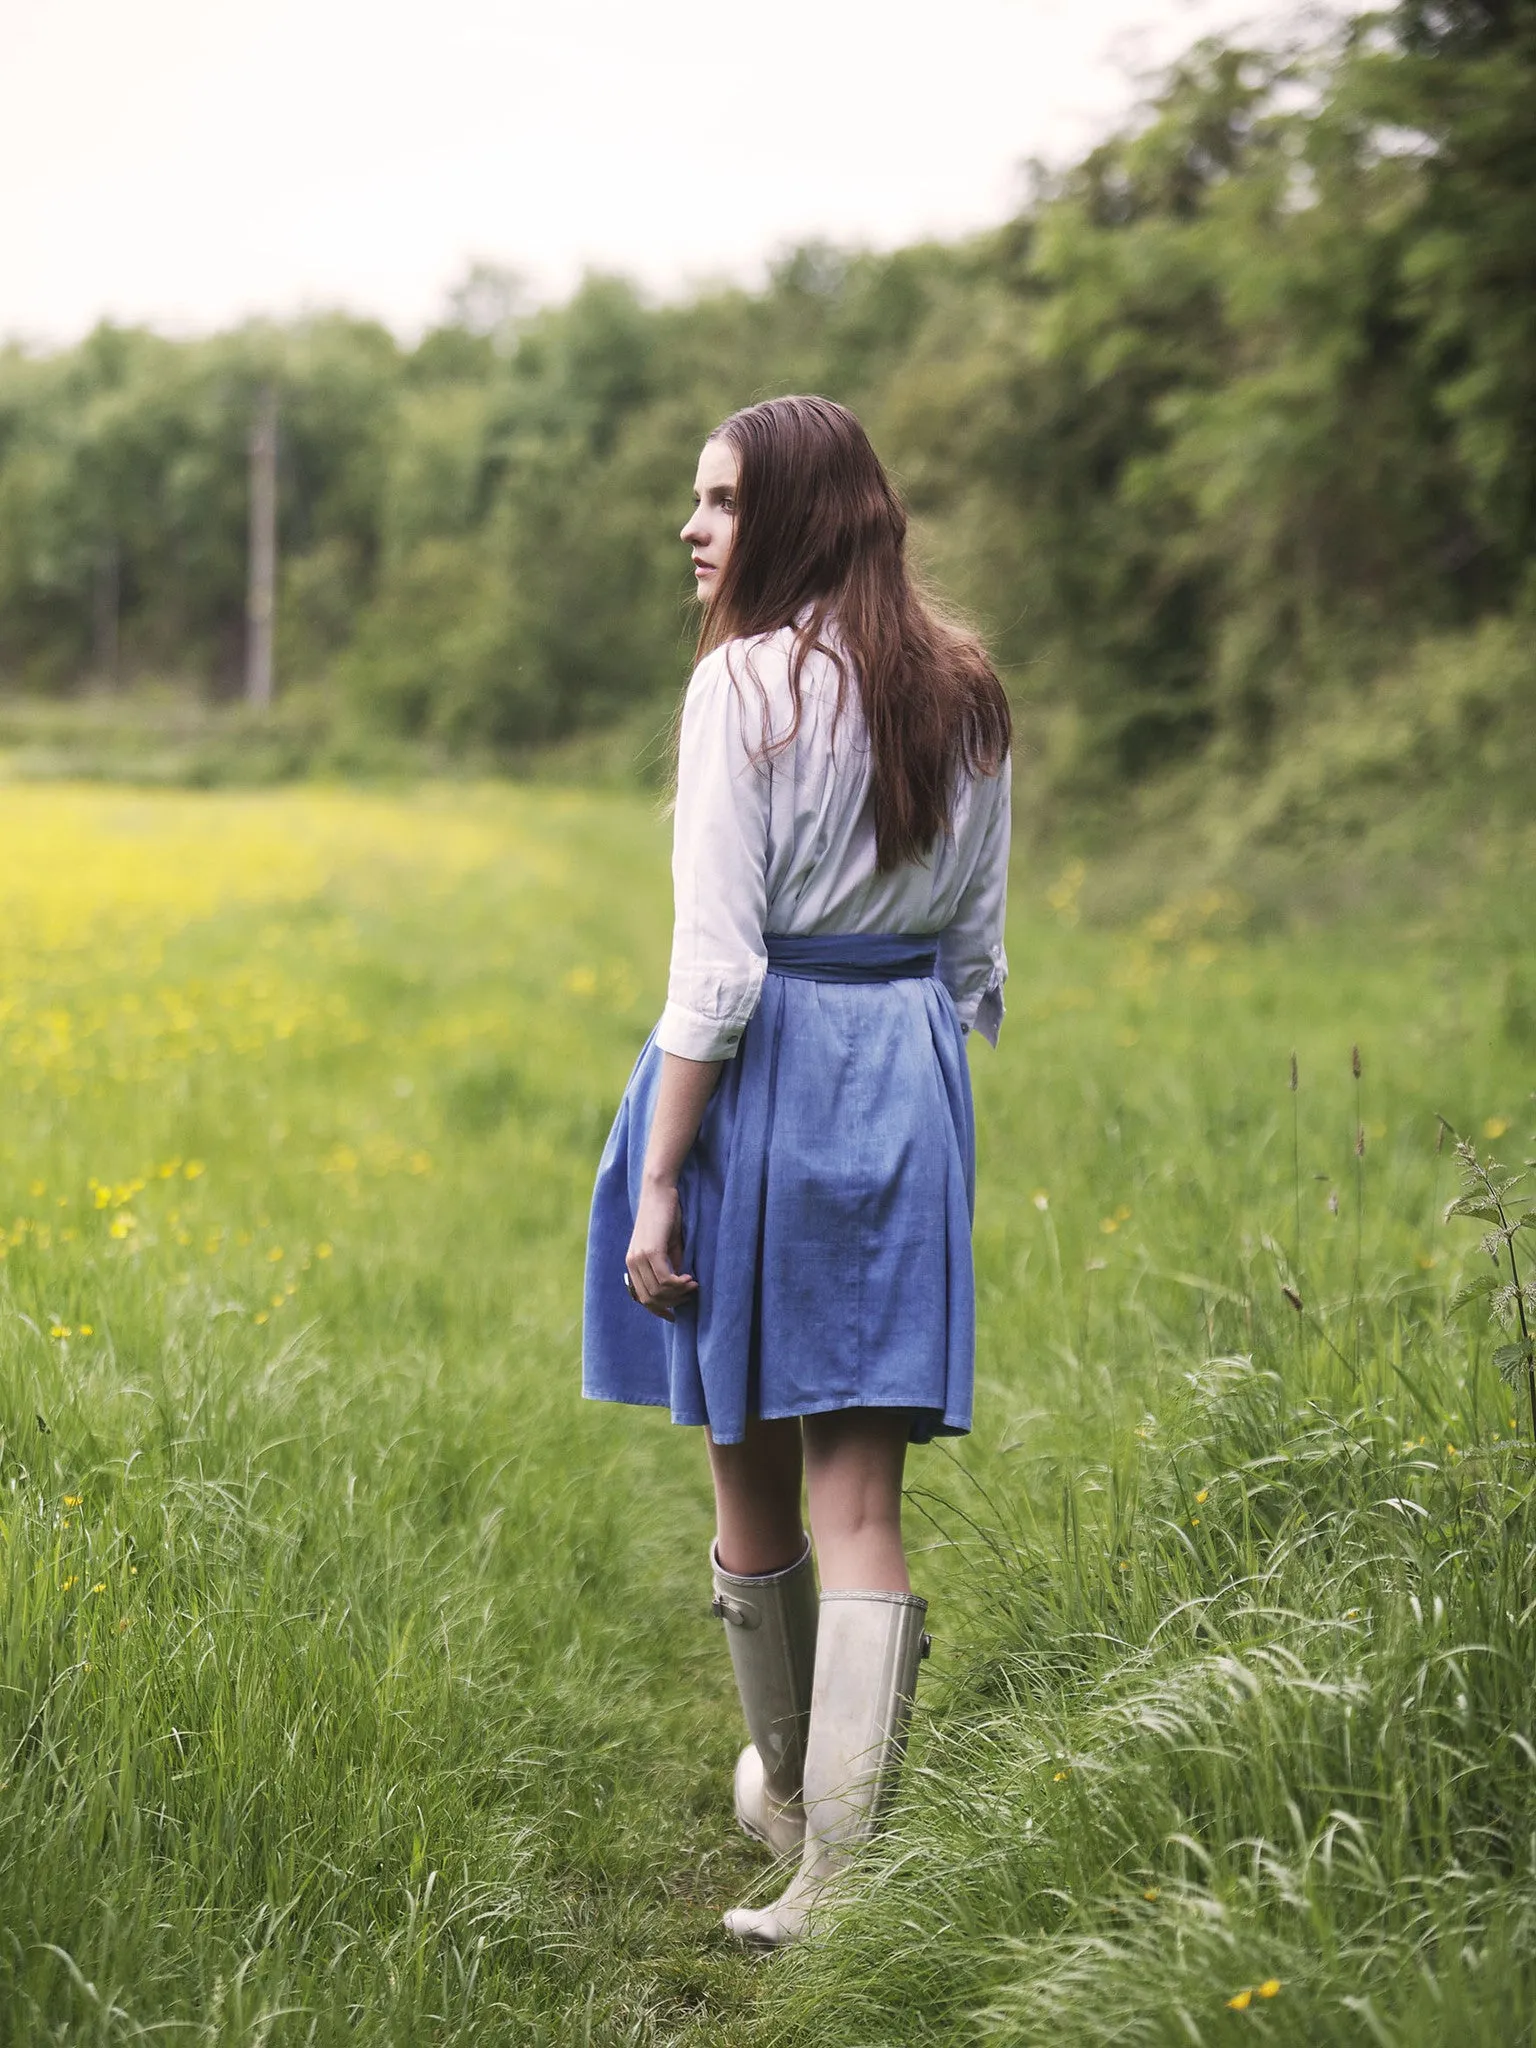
(356, 1681)
(1225, 439)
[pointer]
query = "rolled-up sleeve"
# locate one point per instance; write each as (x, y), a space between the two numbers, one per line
(972, 963)
(719, 871)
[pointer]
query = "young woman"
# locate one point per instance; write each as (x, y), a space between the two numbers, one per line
(780, 1244)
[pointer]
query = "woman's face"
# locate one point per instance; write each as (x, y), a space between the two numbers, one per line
(712, 528)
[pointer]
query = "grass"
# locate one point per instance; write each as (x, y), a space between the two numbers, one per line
(168, 735)
(356, 1681)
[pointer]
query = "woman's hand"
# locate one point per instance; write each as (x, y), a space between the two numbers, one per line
(656, 1247)
(656, 1251)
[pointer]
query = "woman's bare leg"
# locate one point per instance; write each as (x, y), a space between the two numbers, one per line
(853, 1461)
(757, 1499)
(853, 1465)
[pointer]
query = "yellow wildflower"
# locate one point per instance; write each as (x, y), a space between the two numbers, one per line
(194, 1169)
(1495, 1127)
(261, 1315)
(322, 1250)
(1241, 2001)
(70, 1583)
(1150, 1895)
(72, 1500)
(1041, 1199)
(87, 1329)
(274, 1256)
(1269, 1987)
(1202, 1495)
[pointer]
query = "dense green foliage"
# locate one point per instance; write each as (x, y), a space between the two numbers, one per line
(356, 1680)
(1236, 409)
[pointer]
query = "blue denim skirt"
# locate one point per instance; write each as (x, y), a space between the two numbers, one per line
(827, 1208)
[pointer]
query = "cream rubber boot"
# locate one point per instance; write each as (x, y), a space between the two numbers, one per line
(770, 1625)
(867, 1654)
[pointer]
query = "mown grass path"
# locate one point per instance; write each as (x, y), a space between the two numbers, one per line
(355, 1679)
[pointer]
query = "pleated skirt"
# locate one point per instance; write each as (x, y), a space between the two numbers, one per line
(827, 1207)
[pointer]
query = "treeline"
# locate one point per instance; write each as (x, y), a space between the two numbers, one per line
(1232, 412)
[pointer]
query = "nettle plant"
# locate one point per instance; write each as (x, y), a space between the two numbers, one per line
(1490, 1194)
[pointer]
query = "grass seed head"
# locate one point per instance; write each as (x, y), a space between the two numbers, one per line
(1354, 1061)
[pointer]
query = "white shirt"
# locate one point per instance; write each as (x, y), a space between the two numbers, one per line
(786, 845)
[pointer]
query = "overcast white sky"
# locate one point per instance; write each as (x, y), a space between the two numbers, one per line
(187, 162)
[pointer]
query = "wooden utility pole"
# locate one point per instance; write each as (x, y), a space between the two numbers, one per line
(260, 599)
(106, 609)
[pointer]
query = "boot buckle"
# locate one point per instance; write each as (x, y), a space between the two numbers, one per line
(925, 1647)
(733, 1612)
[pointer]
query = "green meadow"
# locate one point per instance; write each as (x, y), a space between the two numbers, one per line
(356, 1680)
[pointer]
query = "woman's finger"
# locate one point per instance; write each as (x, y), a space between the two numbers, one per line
(652, 1275)
(657, 1287)
(670, 1299)
(641, 1273)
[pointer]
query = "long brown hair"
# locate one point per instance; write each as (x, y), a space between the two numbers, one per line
(820, 531)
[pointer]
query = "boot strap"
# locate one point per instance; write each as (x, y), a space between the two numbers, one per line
(736, 1612)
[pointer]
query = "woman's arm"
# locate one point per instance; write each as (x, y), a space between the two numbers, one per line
(719, 881)
(719, 869)
(656, 1247)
